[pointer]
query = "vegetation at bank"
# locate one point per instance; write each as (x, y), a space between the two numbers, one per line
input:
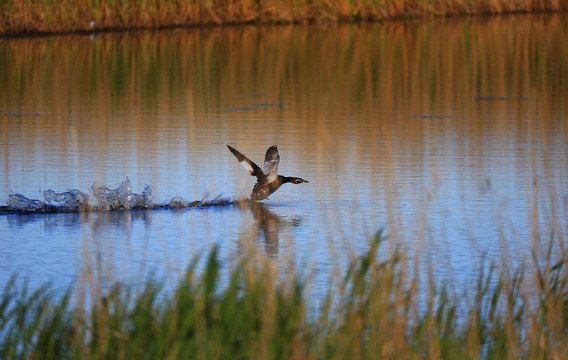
(56, 16)
(376, 310)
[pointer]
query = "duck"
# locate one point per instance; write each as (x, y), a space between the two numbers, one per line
(268, 180)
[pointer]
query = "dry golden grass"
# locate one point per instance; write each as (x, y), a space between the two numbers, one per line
(50, 16)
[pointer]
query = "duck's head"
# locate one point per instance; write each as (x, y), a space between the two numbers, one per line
(297, 180)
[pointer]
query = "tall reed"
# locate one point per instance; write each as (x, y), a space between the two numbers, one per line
(375, 311)
(50, 16)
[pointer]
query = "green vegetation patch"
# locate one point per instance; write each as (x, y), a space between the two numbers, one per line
(377, 310)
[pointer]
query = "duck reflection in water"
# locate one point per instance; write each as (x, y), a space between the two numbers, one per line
(268, 224)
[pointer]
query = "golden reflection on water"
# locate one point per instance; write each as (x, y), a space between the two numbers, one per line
(401, 111)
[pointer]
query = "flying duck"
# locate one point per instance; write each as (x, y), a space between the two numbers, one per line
(268, 180)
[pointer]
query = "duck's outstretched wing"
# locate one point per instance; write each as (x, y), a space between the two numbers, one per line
(245, 162)
(270, 166)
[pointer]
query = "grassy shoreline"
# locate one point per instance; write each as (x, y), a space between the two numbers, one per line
(375, 311)
(21, 17)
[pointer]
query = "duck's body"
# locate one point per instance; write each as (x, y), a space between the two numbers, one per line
(268, 181)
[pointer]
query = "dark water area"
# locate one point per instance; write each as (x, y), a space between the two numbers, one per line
(451, 135)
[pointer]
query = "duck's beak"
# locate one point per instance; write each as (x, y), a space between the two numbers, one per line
(306, 181)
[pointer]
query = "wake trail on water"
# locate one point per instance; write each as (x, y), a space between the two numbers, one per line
(121, 198)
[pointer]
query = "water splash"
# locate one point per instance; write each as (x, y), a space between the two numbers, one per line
(178, 203)
(69, 201)
(120, 198)
(65, 202)
(219, 200)
(19, 203)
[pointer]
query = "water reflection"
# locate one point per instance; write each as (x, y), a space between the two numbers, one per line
(48, 222)
(269, 225)
(450, 134)
(154, 105)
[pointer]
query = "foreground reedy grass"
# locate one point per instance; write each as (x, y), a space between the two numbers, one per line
(51, 16)
(376, 311)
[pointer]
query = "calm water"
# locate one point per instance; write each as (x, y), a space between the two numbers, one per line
(449, 135)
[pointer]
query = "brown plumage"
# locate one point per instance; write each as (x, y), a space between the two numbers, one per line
(268, 180)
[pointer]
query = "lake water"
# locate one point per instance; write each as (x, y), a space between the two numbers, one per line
(451, 135)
